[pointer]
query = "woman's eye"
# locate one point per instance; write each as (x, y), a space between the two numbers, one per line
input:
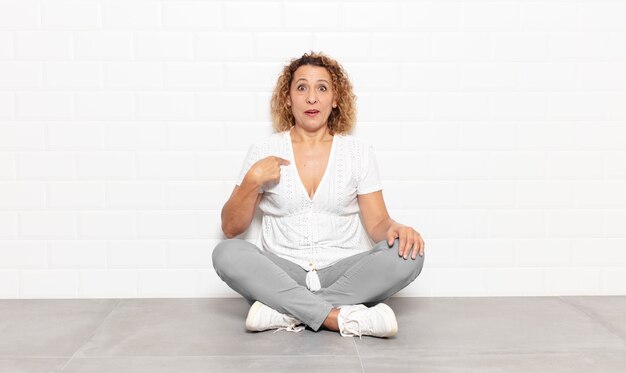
(302, 87)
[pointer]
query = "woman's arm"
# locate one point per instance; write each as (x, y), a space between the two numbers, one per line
(375, 216)
(380, 226)
(238, 211)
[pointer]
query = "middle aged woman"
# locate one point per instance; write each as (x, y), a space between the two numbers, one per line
(314, 263)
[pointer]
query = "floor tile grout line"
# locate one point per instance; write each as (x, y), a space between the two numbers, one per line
(599, 319)
(495, 352)
(358, 354)
(190, 356)
(117, 303)
(441, 353)
(186, 356)
(32, 357)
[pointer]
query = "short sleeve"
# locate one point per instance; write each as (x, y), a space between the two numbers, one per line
(370, 178)
(252, 157)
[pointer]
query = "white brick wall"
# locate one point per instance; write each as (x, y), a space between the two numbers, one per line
(499, 129)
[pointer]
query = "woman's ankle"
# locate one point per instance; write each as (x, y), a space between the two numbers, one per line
(331, 322)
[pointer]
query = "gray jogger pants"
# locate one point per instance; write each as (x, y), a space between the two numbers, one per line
(365, 278)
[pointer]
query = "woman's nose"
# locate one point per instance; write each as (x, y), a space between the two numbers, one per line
(311, 100)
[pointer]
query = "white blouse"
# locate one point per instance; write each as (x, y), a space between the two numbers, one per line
(315, 233)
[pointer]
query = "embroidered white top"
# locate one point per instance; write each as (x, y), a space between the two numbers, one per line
(315, 232)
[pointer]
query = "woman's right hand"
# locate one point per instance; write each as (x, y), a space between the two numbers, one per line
(266, 170)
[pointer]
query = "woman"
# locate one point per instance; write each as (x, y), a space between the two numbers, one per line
(315, 264)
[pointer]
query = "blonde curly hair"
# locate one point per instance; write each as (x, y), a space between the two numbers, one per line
(341, 119)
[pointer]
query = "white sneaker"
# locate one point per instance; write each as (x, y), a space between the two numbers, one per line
(261, 317)
(377, 321)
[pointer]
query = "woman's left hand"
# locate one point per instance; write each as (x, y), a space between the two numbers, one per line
(410, 240)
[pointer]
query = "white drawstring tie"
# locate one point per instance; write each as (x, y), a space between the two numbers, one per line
(312, 279)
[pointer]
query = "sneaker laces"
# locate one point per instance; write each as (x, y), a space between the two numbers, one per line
(353, 331)
(290, 328)
(378, 321)
(266, 318)
(290, 322)
(348, 322)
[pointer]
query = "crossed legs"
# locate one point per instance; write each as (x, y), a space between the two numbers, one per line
(368, 277)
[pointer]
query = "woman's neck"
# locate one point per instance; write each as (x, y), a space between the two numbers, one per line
(312, 138)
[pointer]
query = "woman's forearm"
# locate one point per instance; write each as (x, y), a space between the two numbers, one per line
(238, 211)
(379, 232)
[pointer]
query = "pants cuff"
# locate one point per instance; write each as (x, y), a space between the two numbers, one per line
(317, 324)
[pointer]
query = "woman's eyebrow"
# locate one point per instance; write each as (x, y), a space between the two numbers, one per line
(319, 80)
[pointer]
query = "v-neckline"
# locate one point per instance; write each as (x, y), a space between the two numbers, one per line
(295, 167)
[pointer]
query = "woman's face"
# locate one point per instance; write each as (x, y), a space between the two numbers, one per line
(311, 97)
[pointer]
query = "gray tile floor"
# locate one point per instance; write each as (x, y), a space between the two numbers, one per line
(505, 334)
